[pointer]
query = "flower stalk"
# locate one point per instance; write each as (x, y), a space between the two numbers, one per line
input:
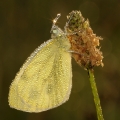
(95, 95)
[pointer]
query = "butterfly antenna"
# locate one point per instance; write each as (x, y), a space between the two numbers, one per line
(55, 20)
(70, 17)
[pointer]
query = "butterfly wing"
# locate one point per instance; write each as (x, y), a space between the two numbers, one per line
(44, 81)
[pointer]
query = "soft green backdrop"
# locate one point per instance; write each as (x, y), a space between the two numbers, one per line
(25, 24)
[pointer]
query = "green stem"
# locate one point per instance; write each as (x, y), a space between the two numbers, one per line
(96, 96)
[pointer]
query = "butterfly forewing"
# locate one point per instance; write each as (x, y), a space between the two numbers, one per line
(44, 81)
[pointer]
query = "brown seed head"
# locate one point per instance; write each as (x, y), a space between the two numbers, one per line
(83, 41)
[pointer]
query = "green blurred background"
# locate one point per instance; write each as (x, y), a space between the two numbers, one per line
(25, 24)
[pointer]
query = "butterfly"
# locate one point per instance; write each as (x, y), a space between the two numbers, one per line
(45, 79)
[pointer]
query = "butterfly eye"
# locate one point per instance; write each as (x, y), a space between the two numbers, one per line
(54, 31)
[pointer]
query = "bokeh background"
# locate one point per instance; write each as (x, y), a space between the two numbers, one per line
(25, 24)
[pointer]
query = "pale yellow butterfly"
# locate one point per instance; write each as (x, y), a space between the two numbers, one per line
(45, 80)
